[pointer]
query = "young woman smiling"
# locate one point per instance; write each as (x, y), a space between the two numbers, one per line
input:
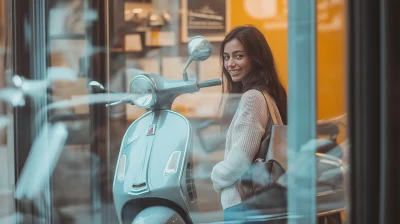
(248, 68)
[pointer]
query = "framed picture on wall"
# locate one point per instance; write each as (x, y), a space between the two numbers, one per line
(208, 18)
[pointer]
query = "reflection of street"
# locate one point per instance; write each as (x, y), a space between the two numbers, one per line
(331, 161)
(209, 200)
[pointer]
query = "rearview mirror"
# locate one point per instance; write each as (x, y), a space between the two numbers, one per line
(199, 49)
(97, 87)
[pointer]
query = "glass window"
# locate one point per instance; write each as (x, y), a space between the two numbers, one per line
(128, 117)
(7, 178)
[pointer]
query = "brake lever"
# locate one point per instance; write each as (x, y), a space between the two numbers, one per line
(113, 103)
(125, 99)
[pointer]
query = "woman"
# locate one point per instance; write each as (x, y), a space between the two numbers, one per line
(249, 70)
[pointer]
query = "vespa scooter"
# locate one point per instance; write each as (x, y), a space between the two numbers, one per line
(153, 182)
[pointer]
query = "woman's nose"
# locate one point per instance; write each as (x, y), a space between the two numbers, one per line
(231, 63)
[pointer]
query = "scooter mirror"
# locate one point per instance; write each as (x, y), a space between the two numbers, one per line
(17, 80)
(96, 87)
(199, 48)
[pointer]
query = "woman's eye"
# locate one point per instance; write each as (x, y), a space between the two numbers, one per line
(239, 56)
(226, 58)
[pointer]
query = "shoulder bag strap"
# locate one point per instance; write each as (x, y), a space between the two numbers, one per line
(262, 152)
(272, 111)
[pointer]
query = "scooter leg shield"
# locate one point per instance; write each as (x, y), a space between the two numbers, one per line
(158, 214)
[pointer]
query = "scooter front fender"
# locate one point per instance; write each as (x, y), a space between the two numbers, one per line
(157, 150)
(158, 214)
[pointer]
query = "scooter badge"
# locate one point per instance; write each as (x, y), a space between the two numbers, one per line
(151, 130)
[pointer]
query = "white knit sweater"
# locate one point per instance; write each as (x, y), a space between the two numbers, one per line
(242, 143)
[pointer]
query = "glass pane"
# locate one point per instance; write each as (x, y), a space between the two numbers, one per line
(133, 126)
(7, 209)
(74, 175)
(153, 37)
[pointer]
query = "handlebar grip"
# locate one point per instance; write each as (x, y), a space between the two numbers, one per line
(208, 83)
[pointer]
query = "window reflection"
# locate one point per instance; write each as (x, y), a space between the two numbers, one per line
(139, 37)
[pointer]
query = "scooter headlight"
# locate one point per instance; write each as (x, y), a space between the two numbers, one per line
(143, 91)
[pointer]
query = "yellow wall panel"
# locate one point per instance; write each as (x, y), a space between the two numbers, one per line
(270, 16)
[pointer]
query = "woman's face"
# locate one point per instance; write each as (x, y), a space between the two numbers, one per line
(236, 61)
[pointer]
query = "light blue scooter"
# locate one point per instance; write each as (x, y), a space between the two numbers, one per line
(154, 180)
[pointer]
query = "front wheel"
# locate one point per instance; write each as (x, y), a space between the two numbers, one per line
(158, 214)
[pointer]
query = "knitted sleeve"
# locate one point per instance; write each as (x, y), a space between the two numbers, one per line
(247, 131)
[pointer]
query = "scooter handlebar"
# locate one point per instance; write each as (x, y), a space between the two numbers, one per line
(208, 83)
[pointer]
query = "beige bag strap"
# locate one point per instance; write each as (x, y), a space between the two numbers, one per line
(271, 107)
(274, 120)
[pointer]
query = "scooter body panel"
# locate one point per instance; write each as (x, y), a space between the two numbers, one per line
(157, 147)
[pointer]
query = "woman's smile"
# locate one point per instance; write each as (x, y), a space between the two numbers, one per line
(234, 72)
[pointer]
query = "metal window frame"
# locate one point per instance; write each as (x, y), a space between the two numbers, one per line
(302, 108)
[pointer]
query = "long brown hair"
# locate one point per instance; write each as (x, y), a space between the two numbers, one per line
(263, 76)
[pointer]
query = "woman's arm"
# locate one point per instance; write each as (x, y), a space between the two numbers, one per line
(248, 129)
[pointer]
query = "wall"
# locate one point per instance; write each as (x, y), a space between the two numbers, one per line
(270, 16)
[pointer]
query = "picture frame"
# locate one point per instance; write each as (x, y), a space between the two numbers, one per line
(206, 18)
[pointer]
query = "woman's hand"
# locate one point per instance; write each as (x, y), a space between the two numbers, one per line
(216, 186)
